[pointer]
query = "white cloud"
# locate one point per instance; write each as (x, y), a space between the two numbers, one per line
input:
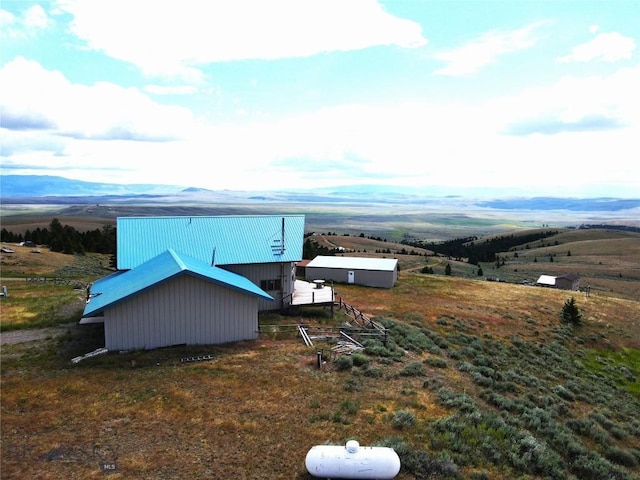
(571, 102)
(7, 20)
(164, 40)
(485, 50)
(36, 18)
(606, 47)
(38, 99)
(32, 20)
(66, 126)
(171, 90)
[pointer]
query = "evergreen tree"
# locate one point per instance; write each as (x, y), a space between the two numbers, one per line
(447, 269)
(56, 241)
(570, 313)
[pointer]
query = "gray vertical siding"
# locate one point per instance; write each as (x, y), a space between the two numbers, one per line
(269, 271)
(185, 310)
(369, 278)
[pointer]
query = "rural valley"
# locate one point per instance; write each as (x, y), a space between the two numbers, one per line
(477, 379)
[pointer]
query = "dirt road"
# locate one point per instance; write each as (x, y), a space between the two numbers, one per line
(22, 336)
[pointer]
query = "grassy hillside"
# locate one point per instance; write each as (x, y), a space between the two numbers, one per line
(45, 288)
(607, 260)
(477, 380)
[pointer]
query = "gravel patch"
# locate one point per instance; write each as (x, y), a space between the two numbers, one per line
(22, 336)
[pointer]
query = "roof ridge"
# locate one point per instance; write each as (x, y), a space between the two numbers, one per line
(176, 257)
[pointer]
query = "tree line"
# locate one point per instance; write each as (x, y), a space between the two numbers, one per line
(485, 251)
(66, 239)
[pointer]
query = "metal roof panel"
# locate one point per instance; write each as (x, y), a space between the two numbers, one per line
(354, 263)
(125, 284)
(215, 240)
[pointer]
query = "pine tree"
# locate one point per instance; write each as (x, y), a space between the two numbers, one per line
(570, 313)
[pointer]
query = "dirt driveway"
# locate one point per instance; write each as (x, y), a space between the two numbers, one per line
(23, 336)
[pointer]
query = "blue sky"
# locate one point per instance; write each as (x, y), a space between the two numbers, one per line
(531, 97)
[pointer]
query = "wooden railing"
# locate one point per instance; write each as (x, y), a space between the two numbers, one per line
(360, 318)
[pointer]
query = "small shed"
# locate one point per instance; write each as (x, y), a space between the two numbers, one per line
(370, 272)
(564, 282)
(546, 281)
(568, 282)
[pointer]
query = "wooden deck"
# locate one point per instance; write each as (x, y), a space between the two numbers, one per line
(306, 293)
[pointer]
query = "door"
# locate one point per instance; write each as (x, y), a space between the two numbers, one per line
(351, 278)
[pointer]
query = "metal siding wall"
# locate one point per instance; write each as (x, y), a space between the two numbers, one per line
(370, 278)
(335, 274)
(184, 311)
(375, 278)
(267, 271)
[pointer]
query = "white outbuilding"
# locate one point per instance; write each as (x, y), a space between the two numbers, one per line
(371, 272)
(564, 282)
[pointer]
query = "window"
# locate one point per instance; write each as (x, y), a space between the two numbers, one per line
(271, 284)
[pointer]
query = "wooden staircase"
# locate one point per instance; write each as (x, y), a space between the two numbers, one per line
(359, 318)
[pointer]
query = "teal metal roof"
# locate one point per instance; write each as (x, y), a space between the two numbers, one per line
(124, 284)
(215, 240)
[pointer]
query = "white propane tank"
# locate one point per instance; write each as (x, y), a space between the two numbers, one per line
(352, 461)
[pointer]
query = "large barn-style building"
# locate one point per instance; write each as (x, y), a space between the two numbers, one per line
(195, 280)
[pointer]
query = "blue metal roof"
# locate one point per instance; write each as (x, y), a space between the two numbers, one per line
(124, 284)
(215, 240)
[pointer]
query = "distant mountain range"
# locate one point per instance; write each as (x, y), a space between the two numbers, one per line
(47, 189)
(30, 186)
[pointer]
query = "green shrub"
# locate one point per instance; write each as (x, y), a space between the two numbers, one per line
(375, 348)
(360, 360)
(403, 419)
(564, 393)
(461, 401)
(352, 385)
(483, 475)
(408, 337)
(481, 380)
(374, 372)
(419, 462)
(350, 406)
(593, 467)
(528, 454)
(454, 354)
(344, 362)
(590, 429)
(413, 369)
(436, 362)
(621, 456)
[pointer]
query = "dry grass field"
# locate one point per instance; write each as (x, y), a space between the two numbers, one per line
(479, 380)
(607, 260)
